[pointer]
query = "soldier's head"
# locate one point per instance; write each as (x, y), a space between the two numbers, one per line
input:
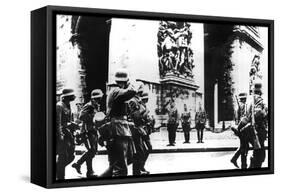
(67, 95)
(172, 105)
(122, 78)
(243, 97)
(96, 96)
(140, 90)
(144, 97)
(258, 88)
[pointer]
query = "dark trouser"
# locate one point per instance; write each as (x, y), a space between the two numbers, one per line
(143, 147)
(186, 131)
(140, 154)
(200, 129)
(65, 154)
(91, 145)
(172, 128)
(149, 148)
(243, 152)
(259, 154)
(118, 152)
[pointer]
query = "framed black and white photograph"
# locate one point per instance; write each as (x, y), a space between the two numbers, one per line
(125, 96)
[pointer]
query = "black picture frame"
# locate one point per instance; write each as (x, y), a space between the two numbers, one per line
(43, 82)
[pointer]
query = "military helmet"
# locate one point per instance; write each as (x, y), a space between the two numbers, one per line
(67, 92)
(140, 87)
(257, 86)
(121, 75)
(144, 96)
(242, 95)
(96, 93)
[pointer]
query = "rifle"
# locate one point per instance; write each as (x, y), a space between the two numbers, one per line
(257, 144)
(238, 111)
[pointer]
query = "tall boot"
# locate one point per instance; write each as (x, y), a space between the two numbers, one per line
(198, 135)
(201, 138)
(90, 172)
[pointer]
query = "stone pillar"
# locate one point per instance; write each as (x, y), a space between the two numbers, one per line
(216, 119)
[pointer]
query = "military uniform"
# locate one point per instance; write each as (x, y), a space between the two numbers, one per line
(172, 124)
(260, 125)
(186, 119)
(254, 133)
(200, 120)
(242, 150)
(91, 137)
(137, 112)
(120, 147)
(65, 140)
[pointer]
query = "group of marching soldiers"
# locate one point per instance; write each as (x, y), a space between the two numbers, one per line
(251, 129)
(124, 130)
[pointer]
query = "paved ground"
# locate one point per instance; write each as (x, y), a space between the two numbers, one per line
(226, 141)
(214, 154)
(170, 163)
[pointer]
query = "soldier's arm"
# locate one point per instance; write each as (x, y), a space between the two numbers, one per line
(85, 113)
(123, 95)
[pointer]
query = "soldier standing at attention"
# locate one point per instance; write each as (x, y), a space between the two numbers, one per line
(200, 120)
(173, 122)
(185, 120)
(90, 132)
(65, 140)
(119, 147)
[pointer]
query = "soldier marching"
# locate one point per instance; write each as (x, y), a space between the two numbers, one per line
(89, 132)
(126, 127)
(65, 145)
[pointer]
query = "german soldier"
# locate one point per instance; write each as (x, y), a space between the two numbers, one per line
(136, 113)
(89, 130)
(252, 129)
(185, 120)
(200, 120)
(243, 148)
(120, 147)
(65, 140)
(150, 122)
(172, 125)
(259, 123)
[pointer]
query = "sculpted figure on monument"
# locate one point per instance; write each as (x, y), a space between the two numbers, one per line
(174, 53)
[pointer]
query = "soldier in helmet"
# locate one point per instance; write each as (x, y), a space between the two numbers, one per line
(185, 120)
(259, 122)
(252, 128)
(120, 149)
(89, 130)
(64, 126)
(137, 113)
(150, 122)
(243, 148)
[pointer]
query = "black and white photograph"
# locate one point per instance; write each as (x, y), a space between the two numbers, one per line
(142, 97)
